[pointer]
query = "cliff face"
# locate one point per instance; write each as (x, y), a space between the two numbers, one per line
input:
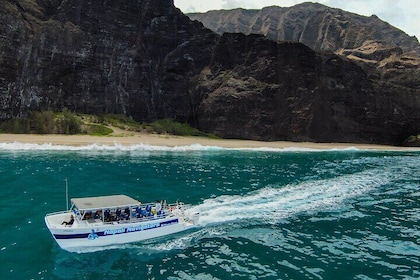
(130, 57)
(259, 89)
(147, 60)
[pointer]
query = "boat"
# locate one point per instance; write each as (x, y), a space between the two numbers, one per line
(115, 219)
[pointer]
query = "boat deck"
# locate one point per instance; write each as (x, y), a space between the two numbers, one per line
(56, 219)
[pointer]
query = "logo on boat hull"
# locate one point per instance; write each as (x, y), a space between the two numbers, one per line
(139, 227)
(92, 235)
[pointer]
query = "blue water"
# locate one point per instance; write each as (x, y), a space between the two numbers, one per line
(264, 214)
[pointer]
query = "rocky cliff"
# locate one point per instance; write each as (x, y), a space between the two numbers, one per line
(147, 60)
(260, 89)
(369, 41)
(130, 57)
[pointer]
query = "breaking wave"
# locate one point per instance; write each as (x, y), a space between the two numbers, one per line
(17, 146)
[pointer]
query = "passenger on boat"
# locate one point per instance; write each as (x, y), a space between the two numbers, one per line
(107, 215)
(88, 215)
(158, 207)
(118, 214)
(147, 210)
(139, 212)
(126, 214)
(98, 214)
(69, 223)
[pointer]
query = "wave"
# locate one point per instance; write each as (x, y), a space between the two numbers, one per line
(116, 147)
(271, 204)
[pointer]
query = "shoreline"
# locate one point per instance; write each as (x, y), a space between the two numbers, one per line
(178, 141)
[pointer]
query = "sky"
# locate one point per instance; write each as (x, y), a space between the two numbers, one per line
(403, 14)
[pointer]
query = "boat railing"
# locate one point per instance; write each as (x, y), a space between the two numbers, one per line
(147, 212)
(139, 213)
(58, 213)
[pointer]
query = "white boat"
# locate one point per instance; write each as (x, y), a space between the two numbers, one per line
(115, 219)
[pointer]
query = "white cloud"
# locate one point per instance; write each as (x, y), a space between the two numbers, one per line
(252, 4)
(401, 14)
(207, 5)
(189, 6)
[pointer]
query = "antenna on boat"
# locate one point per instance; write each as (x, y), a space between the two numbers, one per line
(67, 195)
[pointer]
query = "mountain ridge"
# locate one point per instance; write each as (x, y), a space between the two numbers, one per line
(272, 22)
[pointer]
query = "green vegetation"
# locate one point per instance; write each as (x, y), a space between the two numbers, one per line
(413, 140)
(226, 77)
(48, 122)
(42, 122)
(18, 126)
(98, 130)
(121, 121)
(67, 123)
(168, 126)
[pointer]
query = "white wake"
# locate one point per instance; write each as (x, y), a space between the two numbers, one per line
(278, 202)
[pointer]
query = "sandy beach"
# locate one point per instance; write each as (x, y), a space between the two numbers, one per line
(177, 141)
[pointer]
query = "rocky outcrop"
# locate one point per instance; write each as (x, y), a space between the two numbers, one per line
(260, 89)
(147, 60)
(130, 57)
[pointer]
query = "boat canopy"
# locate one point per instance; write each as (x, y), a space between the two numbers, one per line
(102, 202)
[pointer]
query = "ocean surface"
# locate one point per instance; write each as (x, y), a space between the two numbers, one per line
(264, 213)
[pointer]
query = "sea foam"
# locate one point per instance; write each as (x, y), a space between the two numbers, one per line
(18, 146)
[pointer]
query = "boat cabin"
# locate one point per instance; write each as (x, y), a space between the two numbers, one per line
(111, 209)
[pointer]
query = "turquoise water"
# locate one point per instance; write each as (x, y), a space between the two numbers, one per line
(265, 214)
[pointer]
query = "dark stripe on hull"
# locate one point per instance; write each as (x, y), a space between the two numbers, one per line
(111, 232)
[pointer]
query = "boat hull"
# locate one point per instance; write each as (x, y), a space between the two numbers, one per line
(96, 235)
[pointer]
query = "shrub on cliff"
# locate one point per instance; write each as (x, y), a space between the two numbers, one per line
(121, 121)
(44, 122)
(67, 123)
(97, 130)
(168, 126)
(412, 141)
(38, 122)
(18, 126)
